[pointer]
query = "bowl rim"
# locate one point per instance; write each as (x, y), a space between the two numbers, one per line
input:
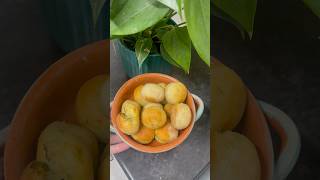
(146, 148)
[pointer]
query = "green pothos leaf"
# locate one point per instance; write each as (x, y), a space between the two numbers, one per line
(142, 48)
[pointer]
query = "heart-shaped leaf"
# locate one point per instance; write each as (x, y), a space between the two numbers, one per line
(178, 46)
(197, 14)
(170, 3)
(166, 56)
(142, 48)
(132, 16)
(314, 5)
(241, 11)
(96, 6)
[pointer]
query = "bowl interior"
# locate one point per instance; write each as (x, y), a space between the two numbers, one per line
(126, 92)
(51, 98)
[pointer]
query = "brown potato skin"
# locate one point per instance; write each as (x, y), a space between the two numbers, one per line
(180, 116)
(153, 92)
(144, 136)
(166, 134)
(103, 173)
(138, 97)
(175, 93)
(153, 117)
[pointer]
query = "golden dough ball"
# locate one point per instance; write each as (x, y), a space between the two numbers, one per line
(144, 136)
(38, 170)
(166, 134)
(234, 157)
(175, 93)
(128, 125)
(180, 116)
(91, 106)
(128, 120)
(67, 153)
(153, 92)
(153, 117)
(153, 105)
(163, 85)
(229, 98)
(130, 109)
(138, 97)
(168, 108)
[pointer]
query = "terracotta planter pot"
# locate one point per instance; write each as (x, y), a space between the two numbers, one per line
(126, 91)
(51, 98)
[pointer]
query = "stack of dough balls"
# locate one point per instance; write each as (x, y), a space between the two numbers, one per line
(156, 111)
(234, 155)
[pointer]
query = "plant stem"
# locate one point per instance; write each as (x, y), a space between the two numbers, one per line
(183, 23)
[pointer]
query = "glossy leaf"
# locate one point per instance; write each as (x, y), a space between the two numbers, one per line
(314, 5)
(96, 6)
(197, 14)
(178, 46)
(170, 3)
(132, 16)
(166, 56)
(142, 49)
(242, 12)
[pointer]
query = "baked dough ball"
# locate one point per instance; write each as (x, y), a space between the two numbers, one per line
(234, 157)
(153, 105)
(91, 106)
(70, 155)
(153, 116)
(128, 120)
(175, 93)
(144, 136)
(166, 134)
(180, 116)
(38, 170)
(163, 85)
(153, 92)
(138, 97)
(229, 98)
(168, 108)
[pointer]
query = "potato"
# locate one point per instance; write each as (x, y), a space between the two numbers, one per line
(234, 157)
(153, 105)
(175, 93)
(144, 136)
(38, 170)
(103, 173)
(229, 98)
(91, 106)
(180, 116)
(69, 150)
(138, 97)
(153, 92)
(128, 121)
(153, 116)
(166, 134)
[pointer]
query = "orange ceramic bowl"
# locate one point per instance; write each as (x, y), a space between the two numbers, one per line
(126, 92)
(51, 98)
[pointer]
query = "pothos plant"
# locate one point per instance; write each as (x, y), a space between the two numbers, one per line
(145, 26)
(241, 13)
